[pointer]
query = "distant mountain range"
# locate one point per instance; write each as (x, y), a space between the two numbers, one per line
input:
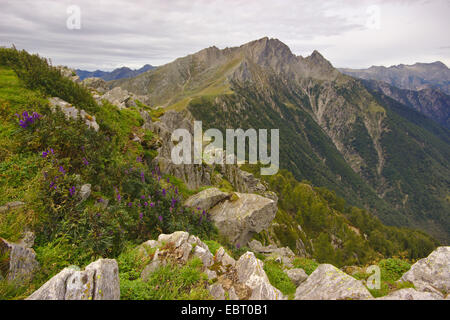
(119, 73)
(418, 76)
(335, 130)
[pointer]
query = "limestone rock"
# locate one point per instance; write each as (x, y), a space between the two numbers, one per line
(224, 258)
(217, 291)
(206, 199)
(242, 216)
(432, 273)
(283, 255)
(329, 283)
(85, 191)
(72, 112)
(411, 294)
(297, 275)
(99, 281)
(251, 273)
(21, 262)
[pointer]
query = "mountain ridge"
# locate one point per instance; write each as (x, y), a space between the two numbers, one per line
(118, 73)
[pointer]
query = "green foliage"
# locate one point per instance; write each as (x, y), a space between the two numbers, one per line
(169, 282)
(278, 278)
(308, 265)
(213, 246)
(38, 74)
(392, 269)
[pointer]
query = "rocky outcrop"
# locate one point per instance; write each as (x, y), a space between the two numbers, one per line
(99, 281)
(72, 112)
(68, 73)
(207, 199)
(242, 216)
(18, 260)
(411, 294)
(250, 272)
(282, 255)
(431, 274)
(329, 283)
(96, 84)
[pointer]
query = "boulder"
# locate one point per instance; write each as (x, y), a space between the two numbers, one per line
(20, 262)
(251, 273)
(411, 294)
(297, 275)
(206, 199)
(94, 83)
(217, 291)
(121, 98)
(99, 281)
(431, 274)
(204, 255)
(329, 283)
(85, 191)
(242, 216)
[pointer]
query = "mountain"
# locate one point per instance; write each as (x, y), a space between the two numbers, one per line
(374, 152)
(119, 73)
(418, 76)
(431, 102)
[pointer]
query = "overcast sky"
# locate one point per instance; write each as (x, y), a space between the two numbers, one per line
(118, 33)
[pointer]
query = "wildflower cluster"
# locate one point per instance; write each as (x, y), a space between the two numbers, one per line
(26, 119)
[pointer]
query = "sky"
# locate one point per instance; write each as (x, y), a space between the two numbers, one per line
(100, 34)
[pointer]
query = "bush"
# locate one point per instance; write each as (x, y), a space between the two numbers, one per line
(306, 264)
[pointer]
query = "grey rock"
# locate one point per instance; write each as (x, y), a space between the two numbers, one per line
(177, 238)
(206, 199)
(85, 192)
(204, 255)
(211, 274)
(72, 112)
(431, 274)
(329, 283)
(99, 281)
(239, 218)
(217, 291)
(297, 275)
(282, 255)
(251, 273)
(232, 294)
(22, 260)
(224, 258)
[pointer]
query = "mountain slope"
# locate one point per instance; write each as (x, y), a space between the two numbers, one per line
(413, 77)
(430, 102)
(119, 73)
(333, 131)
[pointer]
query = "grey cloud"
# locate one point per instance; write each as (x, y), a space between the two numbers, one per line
(132, 33)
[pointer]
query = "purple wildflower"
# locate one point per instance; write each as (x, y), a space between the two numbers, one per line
(130, 204)
(139, 159)
(45, 154)
(152, 204)
(164, 192)
(160, 218)
(72, 191)
(141, 215)
(85, 162)
(61, 169)
(25, 119)
(142, 176)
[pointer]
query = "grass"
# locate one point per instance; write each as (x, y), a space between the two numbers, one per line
(279, 279)
(169, 282)
(308, 265)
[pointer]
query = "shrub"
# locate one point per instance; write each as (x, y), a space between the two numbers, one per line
(306, 264)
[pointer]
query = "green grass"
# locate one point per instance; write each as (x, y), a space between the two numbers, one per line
(308, 265)
(279, 279)
(169, 282)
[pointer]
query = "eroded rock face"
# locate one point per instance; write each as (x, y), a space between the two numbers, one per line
(242, 216)
(20, 263)
(411, 294)
(72, 112)
(431, 274)
(251, 273)
(206, 199)
(329, 283)
(99, 281)
(94, 83)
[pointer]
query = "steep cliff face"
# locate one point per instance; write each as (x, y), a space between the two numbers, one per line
(431, 102)
(333, 131)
